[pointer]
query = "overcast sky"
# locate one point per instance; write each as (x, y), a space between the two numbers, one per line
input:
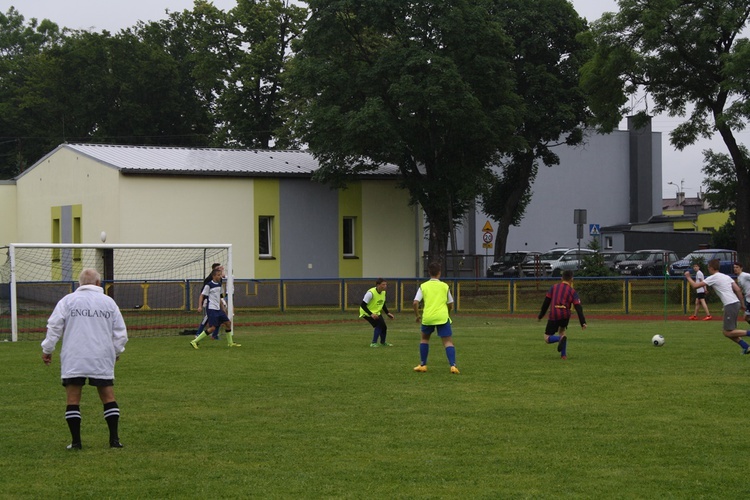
(681, 168)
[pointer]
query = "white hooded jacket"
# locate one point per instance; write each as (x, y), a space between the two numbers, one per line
(93, 333)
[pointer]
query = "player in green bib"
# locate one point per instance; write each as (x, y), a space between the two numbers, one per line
(373, 303)
(435, 315)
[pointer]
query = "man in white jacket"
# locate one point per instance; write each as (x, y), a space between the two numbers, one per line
(94, 337)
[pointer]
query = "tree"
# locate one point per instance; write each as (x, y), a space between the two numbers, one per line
(20, 42)
(721, 193)
(688, 58)
(422, 85)
(546, 61)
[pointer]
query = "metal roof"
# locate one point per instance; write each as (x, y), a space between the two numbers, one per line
(209, 161)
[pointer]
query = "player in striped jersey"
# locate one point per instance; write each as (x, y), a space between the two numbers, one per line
(559, 299)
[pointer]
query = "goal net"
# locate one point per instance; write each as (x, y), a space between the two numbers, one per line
(156, 286)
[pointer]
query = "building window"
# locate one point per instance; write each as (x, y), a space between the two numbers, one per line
(265, 231)
(349, 232)
(608, 242)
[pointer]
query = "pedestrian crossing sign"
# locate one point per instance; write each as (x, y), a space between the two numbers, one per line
(594, 230)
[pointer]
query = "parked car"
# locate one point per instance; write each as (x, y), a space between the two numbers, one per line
(727, 259)
(541, 264)
(613, 257)
(507, 267)
(554, 262)
(654, 262)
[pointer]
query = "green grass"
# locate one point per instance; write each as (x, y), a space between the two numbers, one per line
(311, 411)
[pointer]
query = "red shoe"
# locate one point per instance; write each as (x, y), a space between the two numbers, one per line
(693, 318)
(563, 357)
(708, 318)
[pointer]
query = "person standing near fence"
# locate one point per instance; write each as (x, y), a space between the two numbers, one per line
(438, 302)
(731, 297)
(561, 297)
(373, 304)
(743, 280)
(216, 311)
(204, 321)
(94, 336)
(700, 294)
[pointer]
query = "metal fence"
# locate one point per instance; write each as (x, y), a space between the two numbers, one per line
(615, 295)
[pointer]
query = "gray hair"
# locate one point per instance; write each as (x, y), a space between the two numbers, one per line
(89, 277)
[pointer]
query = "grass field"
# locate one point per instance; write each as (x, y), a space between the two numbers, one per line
(310, 411)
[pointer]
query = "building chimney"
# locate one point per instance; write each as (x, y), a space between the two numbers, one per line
(680, 198)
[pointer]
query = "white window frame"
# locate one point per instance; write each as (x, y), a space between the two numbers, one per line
(265, 224)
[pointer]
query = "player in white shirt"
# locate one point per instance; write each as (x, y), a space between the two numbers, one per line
(743, 280)
(731, 296)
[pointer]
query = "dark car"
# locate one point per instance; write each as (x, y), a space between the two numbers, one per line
(613, 257)
(653, 262)
(726, 259)
(507, 267)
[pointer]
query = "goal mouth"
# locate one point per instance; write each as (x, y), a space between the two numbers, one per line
(157, 287)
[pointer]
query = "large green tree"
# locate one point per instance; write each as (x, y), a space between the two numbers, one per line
(424, 85)
(546, 61)
(690, 60)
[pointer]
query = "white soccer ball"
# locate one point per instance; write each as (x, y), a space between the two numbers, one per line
(657, 340)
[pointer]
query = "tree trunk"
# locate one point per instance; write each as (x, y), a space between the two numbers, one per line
(525, 177)
(742, 214)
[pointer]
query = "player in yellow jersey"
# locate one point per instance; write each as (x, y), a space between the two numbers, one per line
(372, 309)
(435, 315)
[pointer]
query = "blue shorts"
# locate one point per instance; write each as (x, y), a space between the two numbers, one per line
(216, 317)
(443, 330)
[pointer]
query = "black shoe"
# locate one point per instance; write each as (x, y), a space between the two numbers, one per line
(115, 443)
(561, 344)
(74, 446)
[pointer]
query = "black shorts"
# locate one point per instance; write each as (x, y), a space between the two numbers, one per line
(700, 295)
(554, 325)
(81, 381)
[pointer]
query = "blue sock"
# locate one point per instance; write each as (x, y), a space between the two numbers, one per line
(564, 350)
(424, 350)
(450, 351)
(375, 335)
(743, 344)
(554, 338)
(747, 333)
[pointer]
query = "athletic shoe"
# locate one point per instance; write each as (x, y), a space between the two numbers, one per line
(194, 344)
(708, 318)
(386, 344)
(420, 368)
(454, 370)
(234, 344)
(693, 318)
(562, 343)
(73, 446)
(374, 344)
(115, 443)
(563, 357)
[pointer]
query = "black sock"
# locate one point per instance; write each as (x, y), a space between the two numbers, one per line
(112, 416)
(73, 418)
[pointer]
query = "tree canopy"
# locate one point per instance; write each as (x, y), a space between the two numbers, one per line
(424, 85)
(690, 60)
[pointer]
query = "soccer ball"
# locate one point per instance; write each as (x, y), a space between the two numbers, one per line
(657, 340)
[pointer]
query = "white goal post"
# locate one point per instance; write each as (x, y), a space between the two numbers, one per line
(156, 286)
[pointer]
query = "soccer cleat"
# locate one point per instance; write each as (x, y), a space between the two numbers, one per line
(115, 443)
(420, 368)
(386, 344)
(194, 344)
(563, 357)
(454, 370)
(562, 343)
(374, 344)
(693, 318)
(73, 446)
(234, 344)
(708, 318)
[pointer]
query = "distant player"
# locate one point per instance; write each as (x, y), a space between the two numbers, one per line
(561, 297)
(731, 296)
(438, 302)
(743, 280)
(204, 321)
(373, 304)
(700, 294)
(217, 315)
